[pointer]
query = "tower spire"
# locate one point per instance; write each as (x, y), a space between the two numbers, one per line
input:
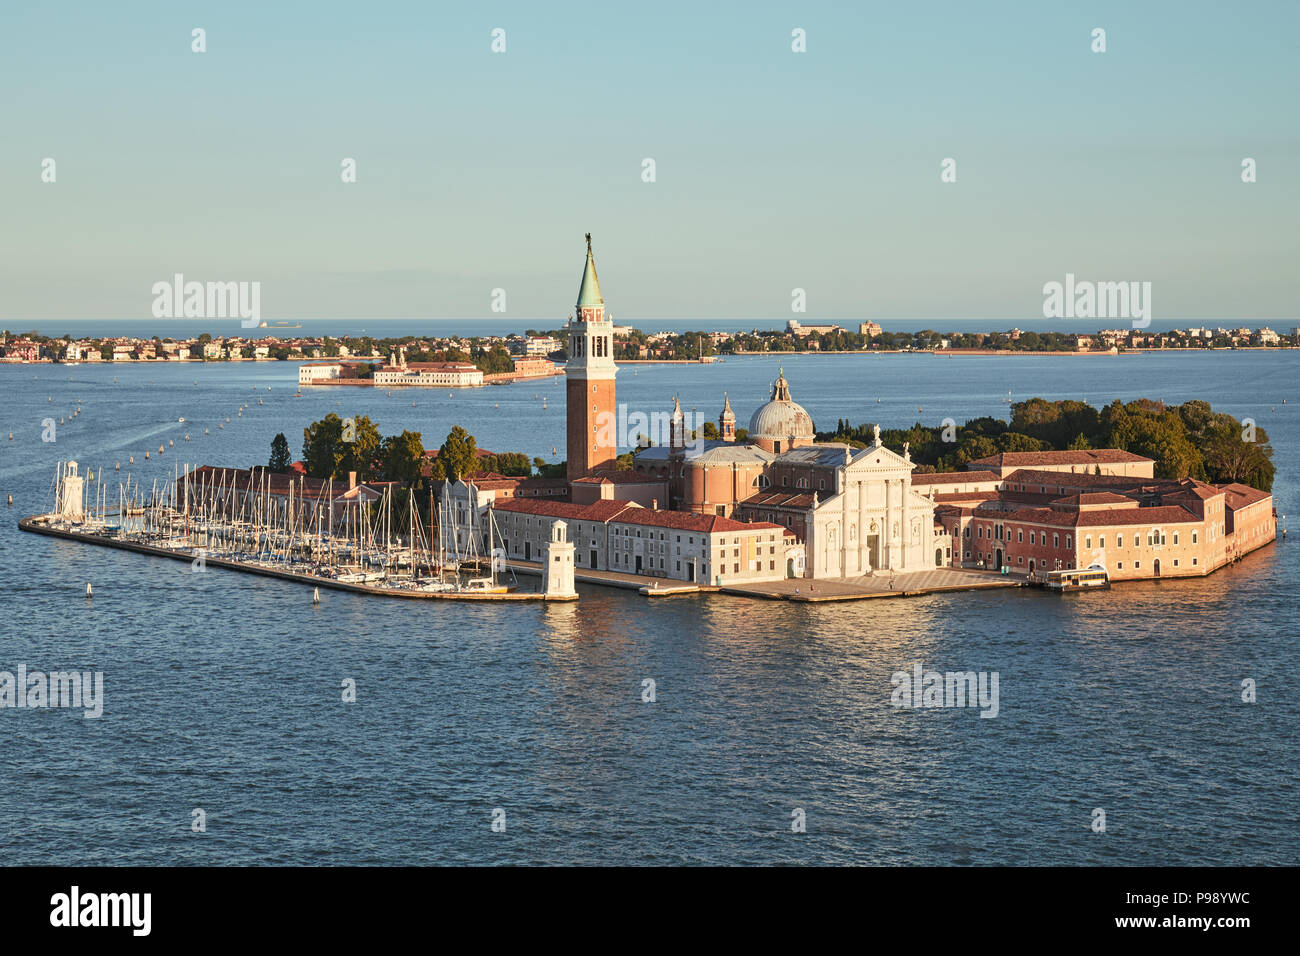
(589, 292)
(727, 420)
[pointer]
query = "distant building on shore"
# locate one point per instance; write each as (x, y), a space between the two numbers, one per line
(797, 328)
(400, 372)
(315, 373)
(541, 345)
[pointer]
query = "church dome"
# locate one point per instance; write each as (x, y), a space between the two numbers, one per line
(781, 417)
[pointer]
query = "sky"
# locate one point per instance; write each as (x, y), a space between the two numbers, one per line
(775, 170)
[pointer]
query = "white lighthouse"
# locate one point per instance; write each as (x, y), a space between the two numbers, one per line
(72, 494)
(557, 563)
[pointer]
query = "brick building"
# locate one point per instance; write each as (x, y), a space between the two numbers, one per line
(1135, 527)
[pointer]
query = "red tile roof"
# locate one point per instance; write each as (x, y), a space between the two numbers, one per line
(1105, 517)
(1094, 498)
(778, 499)
(952, 496)
(607, 509)
(1084, 456)
(1238, 495)
(553, 509)
(688, 521)
(628, 513)
(953, 477)
(1075, 480)
(620, 478)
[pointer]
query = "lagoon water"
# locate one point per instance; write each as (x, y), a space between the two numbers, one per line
(222, 690)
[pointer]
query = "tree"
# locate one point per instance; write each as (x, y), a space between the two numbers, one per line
(1229, 456)
(457, 456)
(494, 360)
(361, 454)
(512, 463)
(332, 447)
(321, 446)
(403, 457)
(280, 457)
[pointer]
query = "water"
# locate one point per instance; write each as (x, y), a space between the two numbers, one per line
(223, 690)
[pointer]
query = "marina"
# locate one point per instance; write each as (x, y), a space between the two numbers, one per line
(212, 519)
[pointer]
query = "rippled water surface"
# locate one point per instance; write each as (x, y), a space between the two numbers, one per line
(222, 690)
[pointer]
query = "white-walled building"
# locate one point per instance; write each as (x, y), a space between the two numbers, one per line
(429, 374)
(313, 373)
(621, 536)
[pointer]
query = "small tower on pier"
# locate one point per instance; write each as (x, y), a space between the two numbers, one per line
(557, 563)
(71, 493)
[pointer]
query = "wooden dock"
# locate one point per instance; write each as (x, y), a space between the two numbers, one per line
(37, 526)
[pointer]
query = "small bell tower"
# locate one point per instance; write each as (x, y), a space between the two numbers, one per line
(727, 420)
(677, 427)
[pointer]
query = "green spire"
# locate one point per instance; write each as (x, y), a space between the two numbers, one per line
(589, 293)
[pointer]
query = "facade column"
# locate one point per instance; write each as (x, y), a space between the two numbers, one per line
(887, 554)
(904, 528)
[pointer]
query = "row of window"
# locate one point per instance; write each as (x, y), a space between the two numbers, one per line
(1154, 537)
(1119, 565)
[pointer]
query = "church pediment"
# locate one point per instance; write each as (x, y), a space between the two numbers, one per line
(879, 461)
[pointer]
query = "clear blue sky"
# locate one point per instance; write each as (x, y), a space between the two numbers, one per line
(775, 170)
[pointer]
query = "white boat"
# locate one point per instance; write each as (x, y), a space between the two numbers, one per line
(361, 577)
(1078, 579)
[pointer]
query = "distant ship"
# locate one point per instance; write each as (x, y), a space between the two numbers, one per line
(279, 325)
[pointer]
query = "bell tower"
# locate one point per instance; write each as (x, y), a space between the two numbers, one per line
(589, 380)
(727, 420)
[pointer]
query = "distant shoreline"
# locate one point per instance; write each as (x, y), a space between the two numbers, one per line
(713, 359)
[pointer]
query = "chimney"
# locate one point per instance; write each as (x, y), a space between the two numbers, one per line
(654, 504)
(352, 480)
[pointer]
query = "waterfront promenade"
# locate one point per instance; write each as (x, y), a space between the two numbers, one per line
(869, 587)
(804, 590)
